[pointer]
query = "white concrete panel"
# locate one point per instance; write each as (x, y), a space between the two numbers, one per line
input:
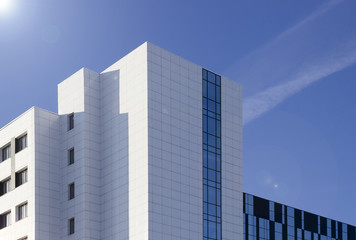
(231, 132)
(175, 152)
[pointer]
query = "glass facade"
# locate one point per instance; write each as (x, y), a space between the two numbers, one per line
(211, 155)
(267, 220)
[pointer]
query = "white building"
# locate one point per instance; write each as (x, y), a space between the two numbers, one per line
(135, 152)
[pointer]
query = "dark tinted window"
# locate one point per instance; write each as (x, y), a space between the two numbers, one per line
(21, 177)
(70, 156)
(21, 143)
(71, 226)
(71, 192)
(70, 121)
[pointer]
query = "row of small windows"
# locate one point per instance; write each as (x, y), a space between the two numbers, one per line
(21, 177)
(20, 144)
(71, 186)
(21, 213)
(71, 192)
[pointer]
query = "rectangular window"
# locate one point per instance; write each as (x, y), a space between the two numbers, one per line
(5, 219)
(21, 211)
(21, 143)
(5, 186)
(70, 156)
(71, 226)
(70, 121)
(21, 177)
(6, 152)
(71, 192)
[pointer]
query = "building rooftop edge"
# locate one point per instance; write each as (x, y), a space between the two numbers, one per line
(299, 209)
(27, 111)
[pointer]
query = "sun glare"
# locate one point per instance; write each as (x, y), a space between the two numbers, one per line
(5, 5)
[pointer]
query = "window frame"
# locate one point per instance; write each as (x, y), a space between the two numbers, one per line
(71, 156)
(3, 150)
(70, 121)
(8, 219)
(71, 226)
(71, 191)
(19, 147)
(19, 176)
(21, 211)
(3, 183)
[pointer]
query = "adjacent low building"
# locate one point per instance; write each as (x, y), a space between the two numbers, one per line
(268, 220)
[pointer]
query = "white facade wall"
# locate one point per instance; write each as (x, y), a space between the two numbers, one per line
(231, 163)
(83, 90)
(175, 146)
(137, 140)
(26, 192)
(132, 101)
(47, 177)
(114, 161)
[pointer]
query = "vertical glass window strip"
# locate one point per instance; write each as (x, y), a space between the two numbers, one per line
(271, 211)
(283, 217)
(244, 227)
(278, 231)
(299, 234)
(328, 222)
(263, 229)
(316, 236)
(211, 155)
(307, 235)
(319, 224)
(344, 231)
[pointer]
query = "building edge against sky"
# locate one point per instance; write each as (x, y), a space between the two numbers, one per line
(150, 148)
(124, 157)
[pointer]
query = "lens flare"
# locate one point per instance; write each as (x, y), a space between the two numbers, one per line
(5, 5)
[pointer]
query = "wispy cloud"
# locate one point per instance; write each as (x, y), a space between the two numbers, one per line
(324, 8)
(288, 52)
(262, 102)
(307, 52)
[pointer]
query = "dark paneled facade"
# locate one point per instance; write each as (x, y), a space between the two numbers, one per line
(267, 220)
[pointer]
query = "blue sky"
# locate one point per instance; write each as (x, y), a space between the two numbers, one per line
(295, 60)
